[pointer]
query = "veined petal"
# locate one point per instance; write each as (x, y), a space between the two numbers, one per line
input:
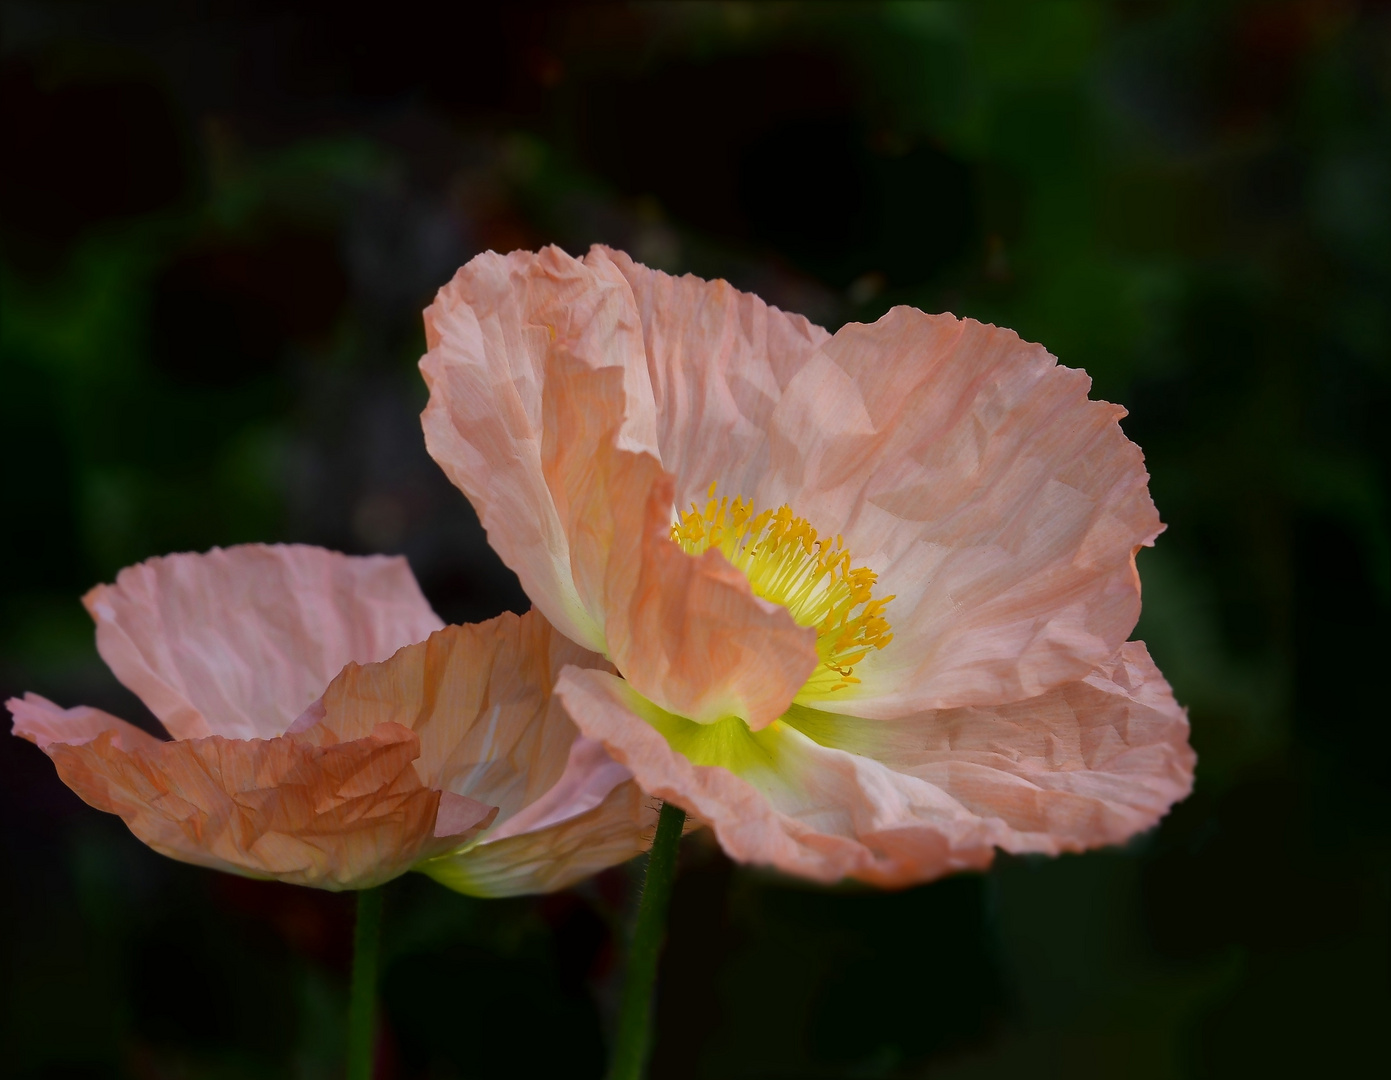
(44, 723)
(1000, 506)
(718, 360)
(1085, 764)
(775, 798)
(904, 801)
(345, 816)
(688, 633)
(479, 699)
(238, 641)
(589, 778)
(509, 341)
(398, 762)
(555, 853)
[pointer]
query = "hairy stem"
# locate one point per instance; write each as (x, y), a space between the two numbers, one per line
(635, 1012)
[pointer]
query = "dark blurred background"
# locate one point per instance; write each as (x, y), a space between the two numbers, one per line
(220, 223)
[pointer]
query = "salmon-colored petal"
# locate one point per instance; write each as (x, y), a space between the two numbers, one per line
(237, 642)
(999, 505)
(508, 337)
(589, 778)
(1084, 764)
(688, 633)
(572, 430)
(894, 803)
(398, 762)
(553, 855)
(459, 816)
(842, 817)
(718, 360)
(44, 723)
(349, 815)
(479, 698)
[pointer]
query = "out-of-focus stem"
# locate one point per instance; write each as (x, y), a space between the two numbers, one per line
(362, 1000)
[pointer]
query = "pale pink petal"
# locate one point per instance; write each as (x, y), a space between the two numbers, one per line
(237, 642)
(479, 699)
(1088, 763)
(689, 634)
(350, 815)
(718, 360)
(999, 505)
(399, 762)
(44, 723)
(894, 803)
(506, 338)
(460, 816)
(556, 854)
(818, 838)
(589, 776)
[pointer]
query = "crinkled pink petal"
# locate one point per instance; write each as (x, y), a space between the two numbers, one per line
(43, 723)
(459, 816)
(479, 699)
(689, 634)
(238, 641)
(554, 853)
(999, 505)
(819, 840)
(505, 337)
(345, 816)
(1084, 764)
(894, 803)
(589, 777)
(718, 360)
(395, 764)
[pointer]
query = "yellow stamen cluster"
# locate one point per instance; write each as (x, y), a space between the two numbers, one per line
(787, 563)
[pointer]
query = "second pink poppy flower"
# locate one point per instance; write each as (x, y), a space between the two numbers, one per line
(329, 730)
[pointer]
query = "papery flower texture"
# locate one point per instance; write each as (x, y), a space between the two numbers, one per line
(329, 730)
(867, 594)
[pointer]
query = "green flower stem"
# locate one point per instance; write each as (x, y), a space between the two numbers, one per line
(362, 1000)
(635, 1011)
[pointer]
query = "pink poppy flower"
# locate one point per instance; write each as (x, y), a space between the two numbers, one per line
(868, 593)
(329, 730)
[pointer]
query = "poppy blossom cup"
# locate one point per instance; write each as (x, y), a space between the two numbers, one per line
(866, 595)
(329, 730)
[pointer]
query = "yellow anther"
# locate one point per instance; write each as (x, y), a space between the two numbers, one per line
(788, 563)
